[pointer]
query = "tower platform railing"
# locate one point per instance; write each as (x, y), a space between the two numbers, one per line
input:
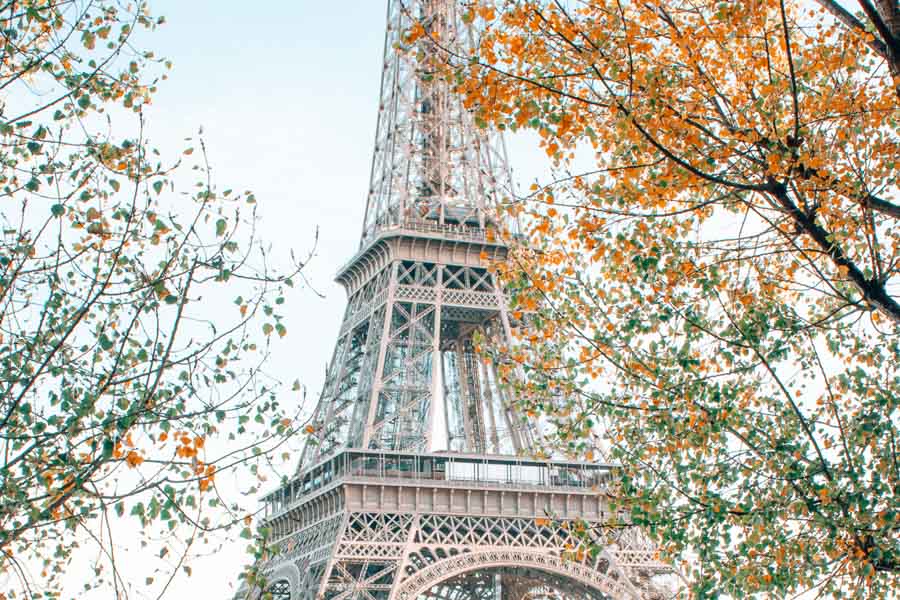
(438, 469)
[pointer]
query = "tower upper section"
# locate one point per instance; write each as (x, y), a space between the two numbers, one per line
(433, 168)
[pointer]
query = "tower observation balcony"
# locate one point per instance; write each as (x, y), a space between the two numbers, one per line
(438, 470)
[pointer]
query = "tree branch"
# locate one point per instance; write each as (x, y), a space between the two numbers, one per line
(852, 23)
(872, 290)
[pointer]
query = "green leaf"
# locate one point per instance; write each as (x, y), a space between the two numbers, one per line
(267, 329)
(84, 101)
(157, 186)
(58, 210)
(221, 224)
(105, 342)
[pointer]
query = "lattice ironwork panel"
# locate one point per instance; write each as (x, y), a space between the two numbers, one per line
(360, 580)
(312, 578)
(415, 293)
(280, 590)
(405, 387)
(407, 555)
(411, 346)
(476, 279)
(319, 537)
(432, 164)
(444, 530)
(468, 298)
(378, 527)
(511, 583)
(422, 274)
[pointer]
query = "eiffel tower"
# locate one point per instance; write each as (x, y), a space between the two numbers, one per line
(416, 482)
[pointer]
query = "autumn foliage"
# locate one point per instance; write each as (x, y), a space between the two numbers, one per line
(709, 286)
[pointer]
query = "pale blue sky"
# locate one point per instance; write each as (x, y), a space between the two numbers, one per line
(286, 93)
(287, 97)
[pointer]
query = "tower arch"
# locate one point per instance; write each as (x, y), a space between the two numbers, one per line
(284, 582)
(593, 582)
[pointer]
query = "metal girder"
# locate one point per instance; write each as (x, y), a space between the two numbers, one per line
(387, 555)
(406, 374)
(432, 164)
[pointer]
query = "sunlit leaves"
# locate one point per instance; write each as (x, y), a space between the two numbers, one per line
(712, 279)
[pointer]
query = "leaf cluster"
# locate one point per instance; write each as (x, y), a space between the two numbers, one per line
(711, 298)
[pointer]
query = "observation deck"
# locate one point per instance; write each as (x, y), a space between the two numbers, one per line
(444, 473)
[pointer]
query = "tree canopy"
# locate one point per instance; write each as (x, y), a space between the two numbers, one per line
(709, 290)
(131, 377)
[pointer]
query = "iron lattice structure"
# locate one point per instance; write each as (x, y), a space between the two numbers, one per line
(413, 485)
(405, 371)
